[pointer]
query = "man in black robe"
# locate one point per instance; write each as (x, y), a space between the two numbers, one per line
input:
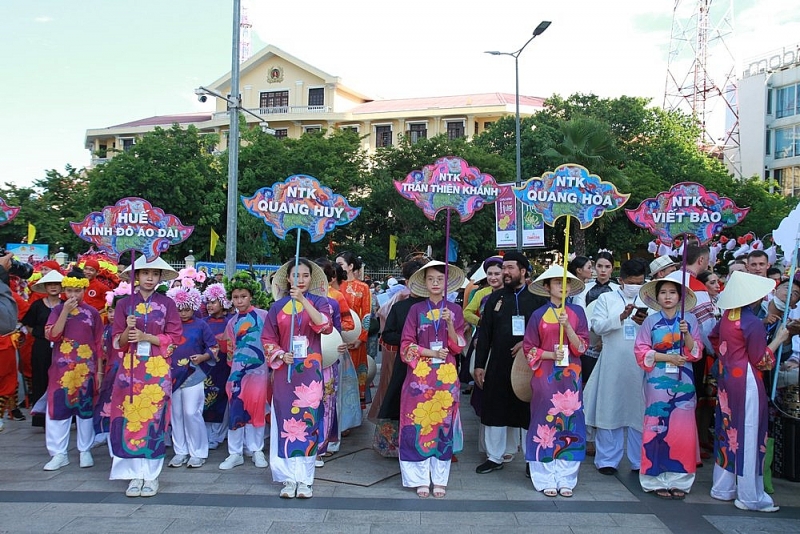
(502, 327)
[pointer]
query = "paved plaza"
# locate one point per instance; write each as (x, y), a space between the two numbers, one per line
(356, 492)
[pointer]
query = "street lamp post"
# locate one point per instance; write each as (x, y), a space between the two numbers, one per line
(538, 31)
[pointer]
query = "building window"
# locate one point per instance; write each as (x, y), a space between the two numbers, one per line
(383, 136)
(786, 101)
(768, 142)
(349, 128)
(455, 129)
(274, 102)
(789, 180)
(417, 131)
(127, 143)
(787, 142)
(311, 129)
(281, 133)
(316, 96)
(487, 124)
(102, 151)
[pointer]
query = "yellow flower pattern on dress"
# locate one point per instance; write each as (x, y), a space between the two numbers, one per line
(157, 366)
(422, 369)
(152, 393)
(66, 347)
(443, 399)
(74, 378)
(84, 352)
(427, 415)
(447, 374)
(137, 411)
(142, 308)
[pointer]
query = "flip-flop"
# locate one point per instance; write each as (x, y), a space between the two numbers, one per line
(550, 492)
(423, 492)
(663, 493)
(565, 492)
(677, 494)
(439, 492)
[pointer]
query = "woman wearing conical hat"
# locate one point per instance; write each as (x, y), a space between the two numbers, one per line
(740, 341)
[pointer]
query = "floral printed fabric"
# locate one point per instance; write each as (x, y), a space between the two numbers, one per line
(143, 385)
(247, 382)
(740, 340)
(216, 397)
(557, 429)
(430, 424)
(71, 377)
(296, 398)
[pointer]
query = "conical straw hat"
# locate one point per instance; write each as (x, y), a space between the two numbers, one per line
(743, 289)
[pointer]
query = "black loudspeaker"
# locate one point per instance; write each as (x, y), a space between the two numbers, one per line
(786, 462)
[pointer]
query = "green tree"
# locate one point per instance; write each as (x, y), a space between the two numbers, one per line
(174, 169)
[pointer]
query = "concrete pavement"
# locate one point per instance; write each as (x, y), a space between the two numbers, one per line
(356, 492)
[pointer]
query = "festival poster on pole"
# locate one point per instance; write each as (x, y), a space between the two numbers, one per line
(302, 203)
(132, 224)
(686, 209)
(506, 221)
(7, 213)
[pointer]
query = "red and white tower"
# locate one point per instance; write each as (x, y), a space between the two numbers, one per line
(701, 74)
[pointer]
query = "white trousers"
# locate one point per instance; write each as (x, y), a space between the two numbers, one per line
(681, 481)
(217, 432)
(557, 474)
(610, 444)
(422, 474)
(748, 488)
(130, 468)
(57, 434)
(297, 469)
(188, 428)
(500, 440)
(248, 437)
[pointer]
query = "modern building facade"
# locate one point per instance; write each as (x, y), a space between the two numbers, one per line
(295, 98)
(769, 118)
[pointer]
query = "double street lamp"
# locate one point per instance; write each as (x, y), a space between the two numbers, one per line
(538, 31)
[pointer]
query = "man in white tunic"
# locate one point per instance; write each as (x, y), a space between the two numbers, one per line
(613, 397)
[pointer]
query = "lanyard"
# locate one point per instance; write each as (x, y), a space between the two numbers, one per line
(625, 302)
(436, 320)
(516, 297)
(147, 310)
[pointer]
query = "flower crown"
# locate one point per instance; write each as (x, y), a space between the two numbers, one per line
(121, 291)
(190, 276)
(71, 281)
(217, 292)
(185, 297)
(243, 280)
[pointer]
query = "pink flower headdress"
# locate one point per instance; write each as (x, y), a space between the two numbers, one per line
(113, 296)
(217, 292)
(190, 276)
(185, 297)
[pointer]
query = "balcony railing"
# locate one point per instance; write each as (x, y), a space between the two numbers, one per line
(280, 110)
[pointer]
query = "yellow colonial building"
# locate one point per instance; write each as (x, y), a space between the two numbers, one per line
(294, 97)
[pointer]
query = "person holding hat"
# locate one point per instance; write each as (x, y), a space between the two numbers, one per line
(740, 341)
(35, 320)
(666, 346)
(430, 426)
(499, 339)
(147, 327)
(76, 332)
(556, 440)
(197, 352)
(662, 266)
(215, 407)
(292, 339)
(248, 380)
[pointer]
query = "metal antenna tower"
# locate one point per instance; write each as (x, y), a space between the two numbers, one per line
(701, 75)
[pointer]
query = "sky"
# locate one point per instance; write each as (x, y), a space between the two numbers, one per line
(72, 65)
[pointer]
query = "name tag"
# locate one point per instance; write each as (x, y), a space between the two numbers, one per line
(300, 347)
(564, 361)
(143, 348)
(630, 331)
(671, 369)
(518, 325)
(437, 346)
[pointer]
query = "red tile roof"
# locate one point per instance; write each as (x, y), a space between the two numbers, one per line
(182, 118)
(446, 102)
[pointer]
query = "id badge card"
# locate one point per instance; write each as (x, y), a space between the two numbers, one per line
(671, 368)
(630, 331)
(143, 348)
(564, 361)
(436, 346)
(518, 325)
(299, 347)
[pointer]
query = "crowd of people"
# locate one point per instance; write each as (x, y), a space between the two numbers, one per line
(561, 366)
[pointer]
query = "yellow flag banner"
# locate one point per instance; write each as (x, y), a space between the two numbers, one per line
(214, 241)
(31, 233)
(392, 247)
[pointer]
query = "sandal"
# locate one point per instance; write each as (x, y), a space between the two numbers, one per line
(423, 492)
(550, 492)
(439, 492)
(663, 494)
(677, 494)
(565, 492)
